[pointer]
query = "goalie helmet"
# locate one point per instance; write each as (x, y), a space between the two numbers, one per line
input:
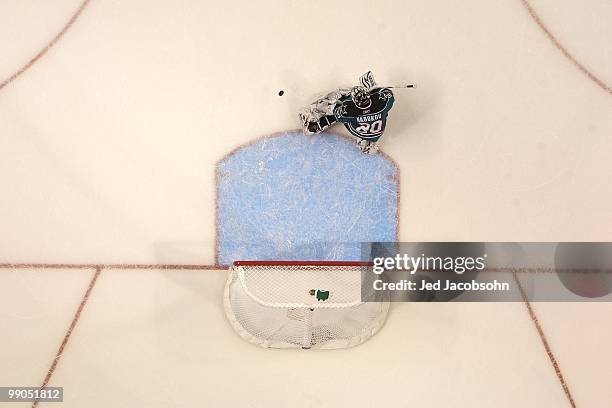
(360, 96)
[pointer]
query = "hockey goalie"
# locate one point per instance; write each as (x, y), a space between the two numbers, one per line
(363, 110)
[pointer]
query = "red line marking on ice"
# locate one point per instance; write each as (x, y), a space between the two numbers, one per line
(98, 270)
(73, 324)
(108, 266)
(599, 82)
(551, 356)
(47, 47)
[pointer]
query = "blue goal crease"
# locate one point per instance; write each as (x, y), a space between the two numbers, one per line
(297, 197)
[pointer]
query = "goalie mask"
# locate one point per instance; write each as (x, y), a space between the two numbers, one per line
(360, 97)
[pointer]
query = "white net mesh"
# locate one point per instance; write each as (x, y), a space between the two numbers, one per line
(301, 305)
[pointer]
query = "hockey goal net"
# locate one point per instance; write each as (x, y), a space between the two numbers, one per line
(285, 304)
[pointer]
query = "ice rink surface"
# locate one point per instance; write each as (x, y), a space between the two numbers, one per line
(113, 119)
(297, 197)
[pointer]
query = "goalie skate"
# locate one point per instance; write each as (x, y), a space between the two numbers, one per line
(368, 147)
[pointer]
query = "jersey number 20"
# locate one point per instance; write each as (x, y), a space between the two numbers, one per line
(371, 128)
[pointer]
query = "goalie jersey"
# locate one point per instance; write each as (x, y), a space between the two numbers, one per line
(366, 121)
